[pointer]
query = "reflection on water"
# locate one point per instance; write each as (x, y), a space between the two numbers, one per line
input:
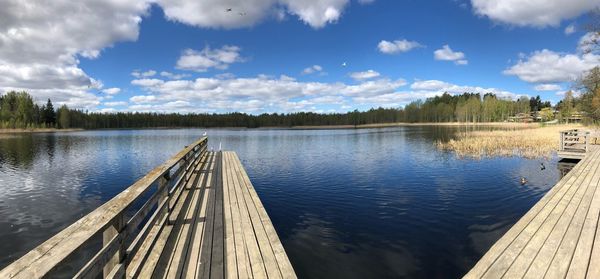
(565, 166)
(381, 203)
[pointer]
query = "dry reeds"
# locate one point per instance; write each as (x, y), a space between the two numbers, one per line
(529, 143)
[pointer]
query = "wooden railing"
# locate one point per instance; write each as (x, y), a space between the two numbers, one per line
(121, 236)
(574, 141)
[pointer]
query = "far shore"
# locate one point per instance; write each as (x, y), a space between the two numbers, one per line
(404, 124)
(36, 130)
(307, 127)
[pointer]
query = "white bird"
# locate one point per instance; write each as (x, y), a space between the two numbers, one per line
(219, 146)
(344, 64)
(204, 135)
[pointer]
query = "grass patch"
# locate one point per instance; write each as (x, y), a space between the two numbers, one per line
(537, 142)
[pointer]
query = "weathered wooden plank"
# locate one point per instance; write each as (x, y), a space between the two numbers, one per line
(98, 262)
(138, 256)
(217, 263)
(147, 267)
(107, 236)
(283, 261)
(117, 272)
(539, 228)
(593, 271)
(157, 257)
(147, 237)
(231, 267)
(177, 217)
(185, 236)
(560, 264)
(540, 251)
(264, 245)
(257, 264)
(241, 253)
(193, 250)
(539, 210)
(204, 262)
(581, 257)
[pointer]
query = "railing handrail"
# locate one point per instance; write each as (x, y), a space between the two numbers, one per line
(567, 137)
(45, 257)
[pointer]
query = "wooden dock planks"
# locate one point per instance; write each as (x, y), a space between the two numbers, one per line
(204, 220)
(221, 229)
(559, 237)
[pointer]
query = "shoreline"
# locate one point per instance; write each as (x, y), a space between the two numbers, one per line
(38, 130)
(307, 127)
(406, 124)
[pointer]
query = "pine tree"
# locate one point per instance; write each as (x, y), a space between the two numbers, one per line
(49, 114)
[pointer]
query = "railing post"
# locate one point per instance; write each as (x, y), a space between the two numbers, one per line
(109, 233)
(587, 141)
(163, 183)
(562, 141)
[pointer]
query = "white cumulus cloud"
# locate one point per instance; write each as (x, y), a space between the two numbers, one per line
(203, 60)
(447, 54)
(138, 74)
(173, 76)
(41, 44)
(364, 75)
(112, 91)
(141, 99)
(547, 66)
(547, 87)
(245, 13)
(397, 46)
(312, 69)
(115, 104)
(538, 13)
(570, 29)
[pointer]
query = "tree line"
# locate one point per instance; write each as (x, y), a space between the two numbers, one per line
(18, 110)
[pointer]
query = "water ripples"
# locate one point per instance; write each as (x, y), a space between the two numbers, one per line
(346, 203)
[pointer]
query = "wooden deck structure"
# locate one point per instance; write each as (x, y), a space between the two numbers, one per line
(559, 237)
(202, 219)
(574, 144)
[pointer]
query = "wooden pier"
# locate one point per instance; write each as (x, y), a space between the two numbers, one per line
(200, 217)
(560, 236)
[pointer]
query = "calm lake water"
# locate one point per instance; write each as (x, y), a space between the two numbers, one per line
(371, 203)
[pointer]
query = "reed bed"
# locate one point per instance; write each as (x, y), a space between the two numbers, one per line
(538, 142)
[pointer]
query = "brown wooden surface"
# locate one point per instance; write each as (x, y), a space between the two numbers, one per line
(221, 230)
(558, 238)
(53, 252)
(204, 221)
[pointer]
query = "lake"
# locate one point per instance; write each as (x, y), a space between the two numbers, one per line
(367, 203)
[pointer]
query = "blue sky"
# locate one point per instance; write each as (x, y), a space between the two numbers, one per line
(284, 56)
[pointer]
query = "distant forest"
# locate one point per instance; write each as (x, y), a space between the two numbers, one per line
(18, 110)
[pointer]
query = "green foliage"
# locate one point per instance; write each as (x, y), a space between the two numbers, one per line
(64, 118)
(588, 102)
(547, 114)
(17, 110)
(48, 114)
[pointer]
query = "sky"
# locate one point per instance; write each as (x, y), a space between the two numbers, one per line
(265, 56)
